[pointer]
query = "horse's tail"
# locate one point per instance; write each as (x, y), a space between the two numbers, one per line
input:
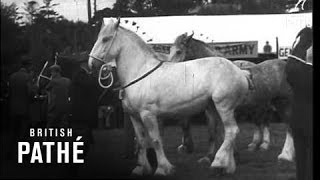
(247, 73)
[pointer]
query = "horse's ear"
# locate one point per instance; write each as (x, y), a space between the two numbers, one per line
(190, 37)
(118, 22)
(102, 24)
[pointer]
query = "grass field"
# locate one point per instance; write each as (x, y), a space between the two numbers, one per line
(104, 159)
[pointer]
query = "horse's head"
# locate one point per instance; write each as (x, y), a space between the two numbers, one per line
(302, 42)
(179, 49)
(105, 48)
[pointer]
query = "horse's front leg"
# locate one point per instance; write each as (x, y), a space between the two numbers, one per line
(288, 150)
(141, 134)
(284, 108)
(187, 142)
(264, 146)
(256, 140)
(265, 127)
(151, 123)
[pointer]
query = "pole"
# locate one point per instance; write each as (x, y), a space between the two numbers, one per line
(94, 7)
(277, 47)
(89, 10)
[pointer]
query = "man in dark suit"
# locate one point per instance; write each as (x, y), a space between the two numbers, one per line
(84, 103)
(21, 92)
(300, 77)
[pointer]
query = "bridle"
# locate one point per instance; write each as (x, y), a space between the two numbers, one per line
(104, 66)
(110, 73)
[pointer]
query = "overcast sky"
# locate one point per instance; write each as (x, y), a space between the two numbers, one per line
(71, 9)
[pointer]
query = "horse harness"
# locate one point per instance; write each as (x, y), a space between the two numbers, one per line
(110, 73)
(249, 78)
(299, 59)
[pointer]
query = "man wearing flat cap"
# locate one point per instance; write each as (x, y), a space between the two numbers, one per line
(58, 99)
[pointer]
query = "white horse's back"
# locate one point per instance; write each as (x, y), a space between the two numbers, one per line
(183, 87)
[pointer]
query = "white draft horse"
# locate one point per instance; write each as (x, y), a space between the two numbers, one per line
(154, 90)
(270, 88)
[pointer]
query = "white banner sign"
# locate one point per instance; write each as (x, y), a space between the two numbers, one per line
(245, 49)
(284, 51)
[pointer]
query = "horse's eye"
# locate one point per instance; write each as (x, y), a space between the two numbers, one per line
(179, 52)
(105, 39)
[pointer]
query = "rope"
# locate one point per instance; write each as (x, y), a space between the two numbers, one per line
(140, 78)
(104, 78)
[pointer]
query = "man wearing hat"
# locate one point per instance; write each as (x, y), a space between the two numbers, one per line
(21, 92)
(58, 98)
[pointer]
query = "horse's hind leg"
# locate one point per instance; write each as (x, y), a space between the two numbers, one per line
(265, 127)
(215, 132)
(187, 143)
(143, 163)
(262, 128)
(266, 137)
(265, 115)
(256, 140)
(151, 123)
(225, 157)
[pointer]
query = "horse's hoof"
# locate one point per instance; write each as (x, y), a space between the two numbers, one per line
(252, 147)
(236, 156)
(264, 147)
(137, 171)
(189, 149)
(182, 149)
(140, 171)
(217, 172)
(229, 166)
(205, 161)
(164, 171)
(285, 157)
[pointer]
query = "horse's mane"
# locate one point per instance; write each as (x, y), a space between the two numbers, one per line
(181, 40)
(201, 42)
(140, 42)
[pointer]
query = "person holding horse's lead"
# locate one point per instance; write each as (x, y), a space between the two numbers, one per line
(58, 98)
(299, 72)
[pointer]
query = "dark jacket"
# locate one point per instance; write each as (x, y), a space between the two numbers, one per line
(58, 94)
(84, 98)
(20, 92)
(300, 77)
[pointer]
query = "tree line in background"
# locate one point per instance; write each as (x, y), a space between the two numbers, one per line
(138, 8)
(38, 33)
